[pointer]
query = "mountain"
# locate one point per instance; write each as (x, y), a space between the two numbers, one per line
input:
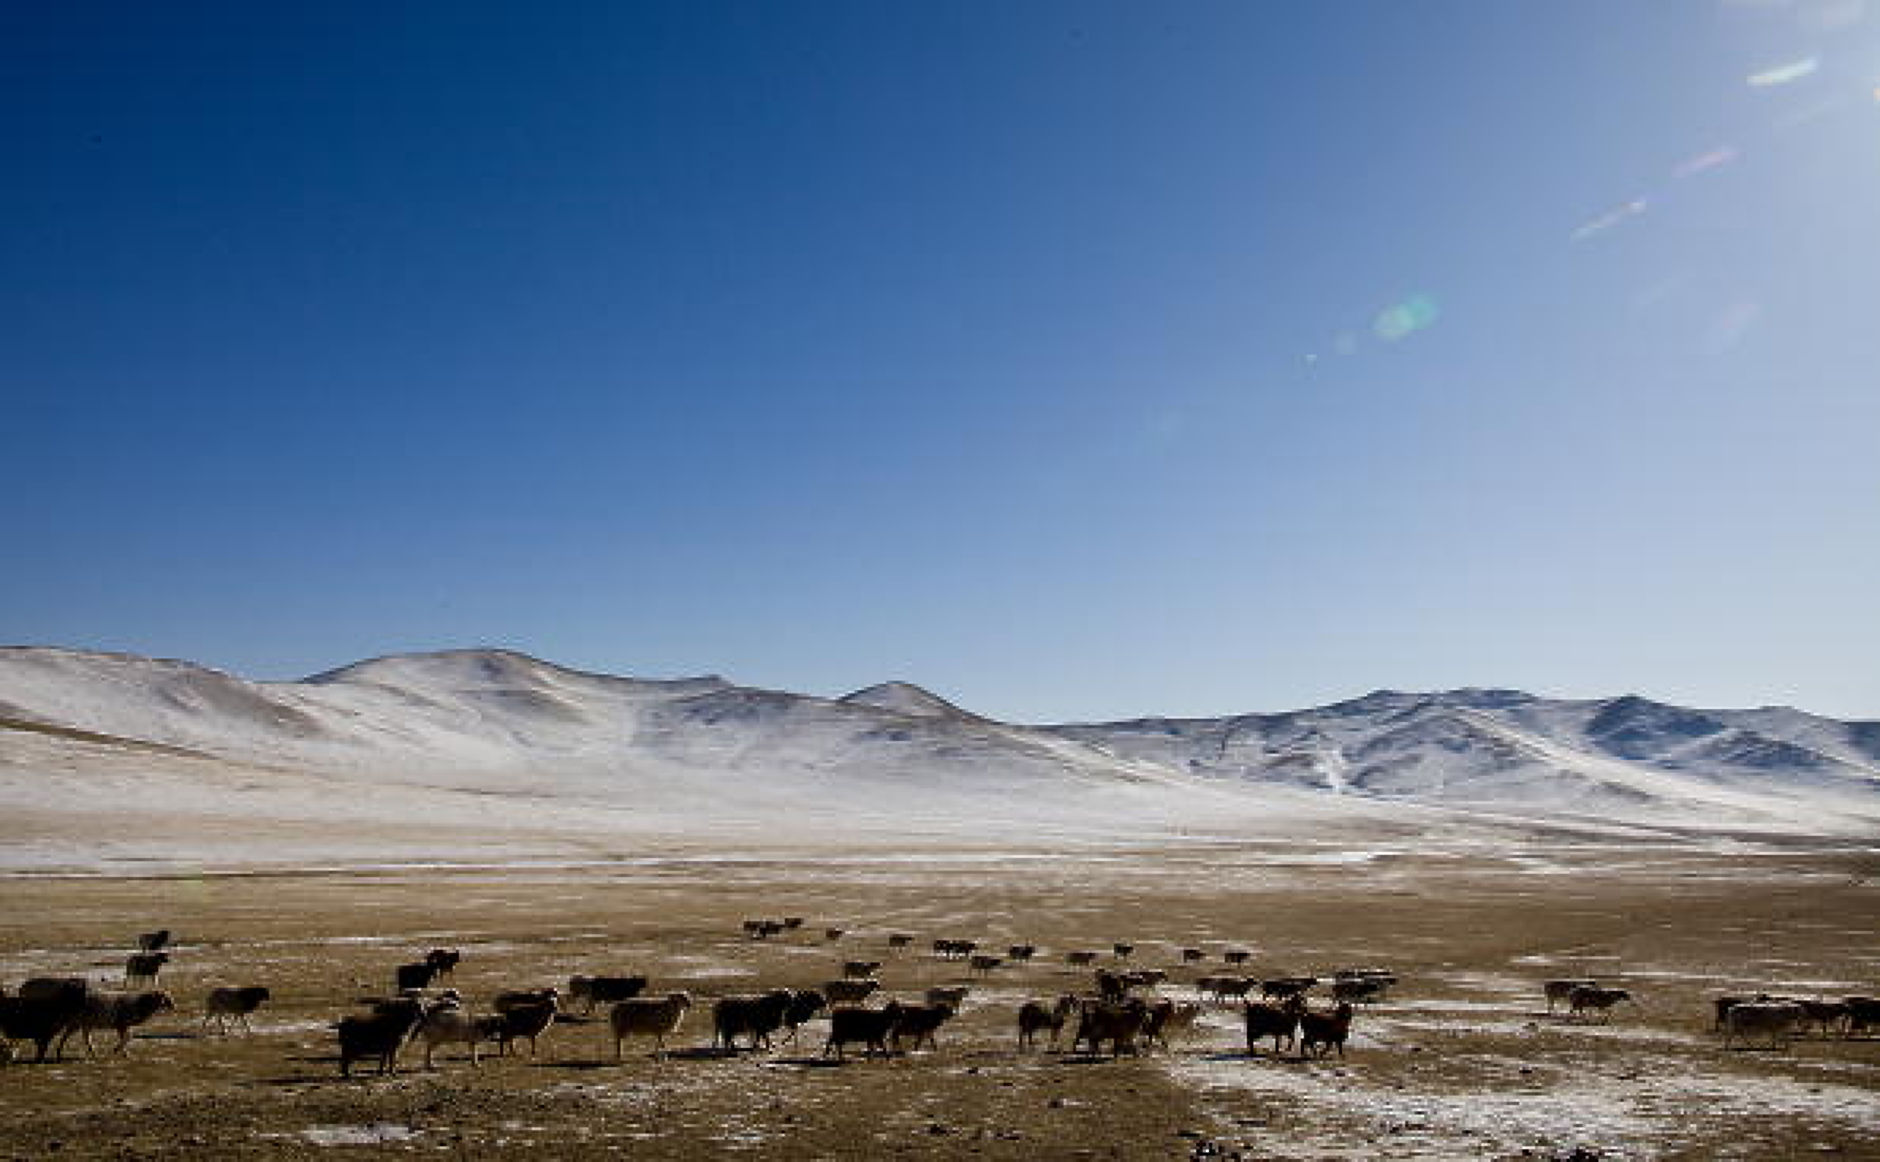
(489, 750)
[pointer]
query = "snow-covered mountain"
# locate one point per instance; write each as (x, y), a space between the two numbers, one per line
(487, 741)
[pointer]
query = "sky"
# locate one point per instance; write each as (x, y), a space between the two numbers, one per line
(1074, 360)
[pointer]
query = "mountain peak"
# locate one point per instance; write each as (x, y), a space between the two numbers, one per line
(905, 698)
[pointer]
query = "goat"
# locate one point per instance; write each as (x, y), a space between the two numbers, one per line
(1324, 1031)
(379, 1036)
(1595, 998)
(1192, 955)
(142, 968)
(871, 1027)
(1022, 951)
(899, 940)
(920, 1021)
(1560, 990)
(1145, 978)
(984, 964)
(649, 1018)
(803, 1006)
(44, 1011)
(954, 949)
(953, 997)
(1776, 1019)
(529, 1019)
(792, 923)
(1280, 1022)
(1236, 956)
(236, 1003)
(447, 1021)
(1080, 958)
(757, 1016)
(850, 992)
(604, 990)
(1122, 950)
(153, 941)
(832, 934)
(1166, 1017)
(1119, 1024)
(859, 969)
(762, 929)
(1034, 1016)
(443, 961)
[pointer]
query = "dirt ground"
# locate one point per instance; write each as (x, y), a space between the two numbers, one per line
(1461, 1062)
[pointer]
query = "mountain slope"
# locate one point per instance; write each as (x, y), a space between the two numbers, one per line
(492, 743)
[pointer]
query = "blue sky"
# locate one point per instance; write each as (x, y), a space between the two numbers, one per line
(1074, 360)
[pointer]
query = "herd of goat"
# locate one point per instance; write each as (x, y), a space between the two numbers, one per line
(1122, 1010)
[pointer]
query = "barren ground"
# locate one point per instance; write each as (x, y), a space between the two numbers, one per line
(1462, 1062)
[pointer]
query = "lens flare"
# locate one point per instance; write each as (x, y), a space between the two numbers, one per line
(1609, 219)
(1404, 319)
(1691, 167)
(1784, 74)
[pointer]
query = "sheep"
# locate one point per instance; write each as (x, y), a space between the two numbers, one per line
(153, 941)
(953, 997)
(1223, 988)
(850, 992)
(871, 1027)
(118, 1012)
(1280, 1022)
(1724, 1004)
(44, 1011)
(1287, 986)
(1324, 1031)
(1034, 1016)
(1776, 1019)
(758, 1016)
(648, 1017)
(792, 923)
(1022, 951)
(1167, 1017)
(1236, 956)
(1112, 986)
(1192, 955)
(503, 1002)
(378, 1036)
(859, 969)
(803, 1007)
(1362, 990)
(1595, 998)
(1119, 1024)
(528, 1019)
(447, 1021)
(1829, 1015)
(142, 968)
(443, 961)
(920, 1021)
(1145, 978)
(954, 949)
(1560, 990)
(832, 934)
(1122, 950)
(1079, 958)
(1863, 1013)
(412, 977)
(224, 1003)
(984, 964)
(900, 940)
(604, 990)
